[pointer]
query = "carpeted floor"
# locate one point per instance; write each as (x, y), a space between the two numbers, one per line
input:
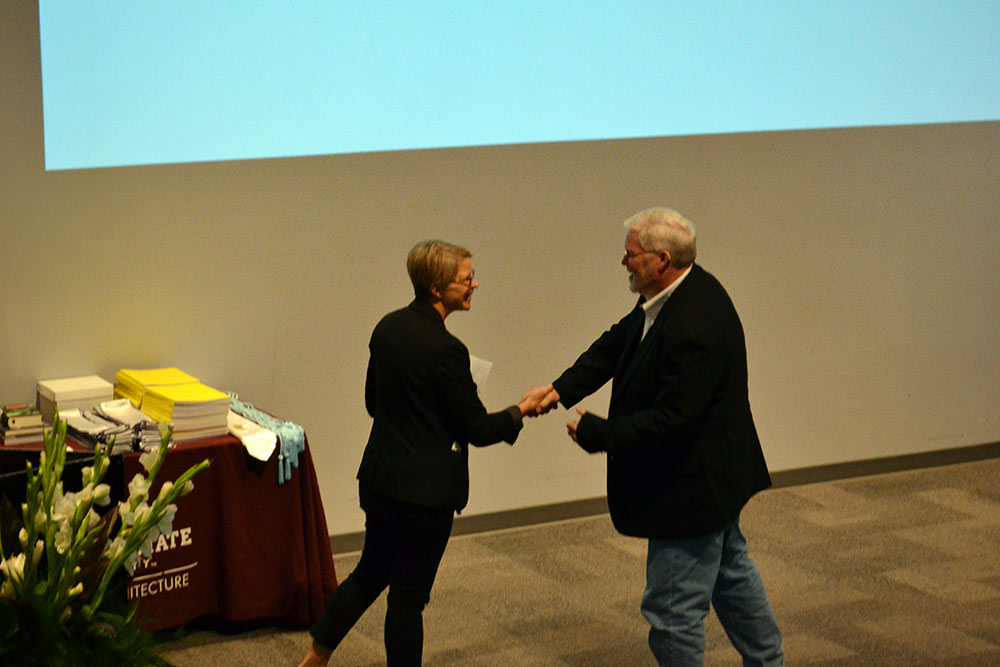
(894, 569)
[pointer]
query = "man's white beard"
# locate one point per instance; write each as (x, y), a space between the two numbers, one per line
(632, 287)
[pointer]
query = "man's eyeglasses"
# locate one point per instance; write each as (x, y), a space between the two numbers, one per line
(467, 280)
(629, 256)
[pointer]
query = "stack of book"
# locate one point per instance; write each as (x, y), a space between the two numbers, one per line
(170, 395)
(196, 411)
(131, 383)
(76, 393)
(20, 423)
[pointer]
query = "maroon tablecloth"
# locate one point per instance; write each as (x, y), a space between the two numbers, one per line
(242, 548)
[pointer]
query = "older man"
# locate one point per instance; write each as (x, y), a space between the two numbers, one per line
(683, 452)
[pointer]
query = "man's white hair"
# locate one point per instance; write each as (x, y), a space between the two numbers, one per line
(661, 229)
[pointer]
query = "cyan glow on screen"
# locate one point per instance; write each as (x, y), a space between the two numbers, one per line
(156, 82)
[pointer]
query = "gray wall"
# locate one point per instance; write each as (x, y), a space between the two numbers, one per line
(863, 263)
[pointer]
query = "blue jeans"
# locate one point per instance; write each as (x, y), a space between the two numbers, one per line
(684, 577)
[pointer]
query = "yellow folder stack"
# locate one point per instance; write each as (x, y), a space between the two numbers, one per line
(196, 411)
(131, 383)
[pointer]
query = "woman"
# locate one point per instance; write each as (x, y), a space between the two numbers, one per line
(414, 473)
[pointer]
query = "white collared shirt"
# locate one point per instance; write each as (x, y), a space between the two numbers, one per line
(654, 305)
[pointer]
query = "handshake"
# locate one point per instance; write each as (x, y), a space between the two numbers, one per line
(538, 401)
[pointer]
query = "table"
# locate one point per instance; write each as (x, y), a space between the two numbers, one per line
(242, 547)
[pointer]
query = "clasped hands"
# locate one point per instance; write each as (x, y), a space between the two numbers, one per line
(540, 400)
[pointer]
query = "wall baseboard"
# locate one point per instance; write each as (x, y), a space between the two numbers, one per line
(484, 523)
(529, 516)
(887, 464)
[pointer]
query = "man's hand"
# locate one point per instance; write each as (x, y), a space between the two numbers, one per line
(538, 401)
(572, 426)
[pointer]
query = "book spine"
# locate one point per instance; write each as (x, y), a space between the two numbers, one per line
(22, 421)
(19, 409)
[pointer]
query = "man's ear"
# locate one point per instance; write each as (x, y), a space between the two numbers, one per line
(436, 292)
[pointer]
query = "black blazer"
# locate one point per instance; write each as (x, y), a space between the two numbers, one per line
(420, 393)
(683, 452)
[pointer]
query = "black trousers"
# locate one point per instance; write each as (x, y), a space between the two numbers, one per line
(404, 544)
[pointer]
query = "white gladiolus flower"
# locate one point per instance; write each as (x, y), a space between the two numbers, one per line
(13, 567)
(131, 560)
(188, 487)
(102, 494)
(148, 459)
(138, 488)
(143, 513)
(85, 496)
(57, 524)
(16, 568)
(164, 491)
(166, 525)
(114, 548)
(147, 546)
(64, 537)
(65, 509)
(129, 516)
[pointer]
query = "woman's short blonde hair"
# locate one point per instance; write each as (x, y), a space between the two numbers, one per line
(433, 263)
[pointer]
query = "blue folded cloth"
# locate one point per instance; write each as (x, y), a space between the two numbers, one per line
(291, 436)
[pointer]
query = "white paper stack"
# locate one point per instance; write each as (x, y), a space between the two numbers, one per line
(88, 428)
(145, 431)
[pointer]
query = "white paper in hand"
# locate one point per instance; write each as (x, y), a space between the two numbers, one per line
(480, 370)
